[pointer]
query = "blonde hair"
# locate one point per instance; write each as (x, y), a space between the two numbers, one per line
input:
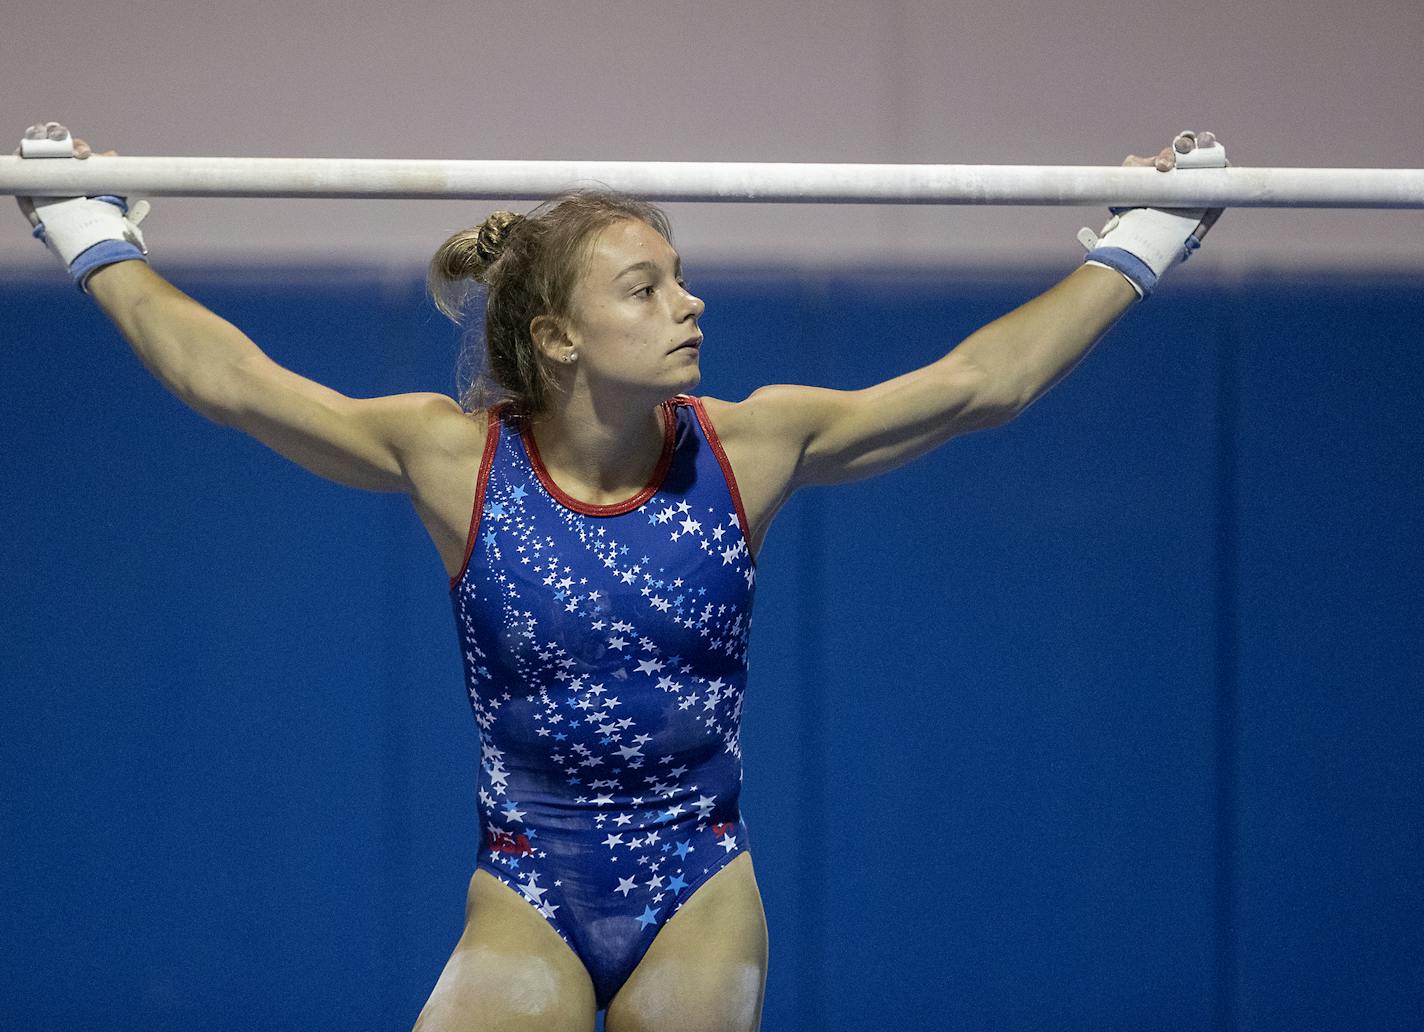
(527, 266)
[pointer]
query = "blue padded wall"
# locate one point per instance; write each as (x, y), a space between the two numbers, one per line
(1108, 718)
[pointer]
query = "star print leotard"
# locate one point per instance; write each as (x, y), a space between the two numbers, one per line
(605, 654)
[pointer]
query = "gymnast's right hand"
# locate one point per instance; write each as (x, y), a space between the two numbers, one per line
(85, 233)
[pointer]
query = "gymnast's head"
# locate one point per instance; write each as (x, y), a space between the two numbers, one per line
(585, 284)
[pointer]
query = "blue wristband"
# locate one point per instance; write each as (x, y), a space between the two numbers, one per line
(1133, 267)
(105, 252)
(1127, 263)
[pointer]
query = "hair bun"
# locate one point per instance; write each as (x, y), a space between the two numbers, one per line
(470, 254)
(492, 236)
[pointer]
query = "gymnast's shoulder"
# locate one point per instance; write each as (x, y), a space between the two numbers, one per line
(770, 411)
(770, 421)
(430, 425)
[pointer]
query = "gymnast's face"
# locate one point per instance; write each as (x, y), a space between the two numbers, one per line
(634, 322)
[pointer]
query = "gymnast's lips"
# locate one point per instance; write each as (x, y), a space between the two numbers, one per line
(691, 342)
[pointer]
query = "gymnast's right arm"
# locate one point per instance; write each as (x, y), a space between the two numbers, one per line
(212, 367)
(378, 444)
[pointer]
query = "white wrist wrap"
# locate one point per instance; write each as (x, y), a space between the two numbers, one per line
(72, 225)
(1155, 236)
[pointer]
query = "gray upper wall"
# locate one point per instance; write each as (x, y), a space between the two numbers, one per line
(1282, 82)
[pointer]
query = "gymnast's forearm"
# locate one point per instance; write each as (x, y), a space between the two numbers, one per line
(1024, 353)
(189, 349)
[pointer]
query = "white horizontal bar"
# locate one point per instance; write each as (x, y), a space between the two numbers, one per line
(718, 181)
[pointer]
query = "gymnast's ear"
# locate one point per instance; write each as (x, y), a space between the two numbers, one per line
(551, 339)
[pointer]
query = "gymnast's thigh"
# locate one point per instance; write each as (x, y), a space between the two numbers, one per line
(510, 971)
(706, 969)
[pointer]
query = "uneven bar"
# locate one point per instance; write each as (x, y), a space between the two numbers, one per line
(717, 181)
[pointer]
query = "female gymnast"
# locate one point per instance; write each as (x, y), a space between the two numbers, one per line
(600, 527)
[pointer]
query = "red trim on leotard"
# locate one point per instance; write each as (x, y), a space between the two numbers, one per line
(716, 442)
(491, 444)
(618, 508)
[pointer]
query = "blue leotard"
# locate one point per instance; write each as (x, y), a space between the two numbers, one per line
(605, 653)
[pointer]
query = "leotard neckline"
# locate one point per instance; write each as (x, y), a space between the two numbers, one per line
(617, 508)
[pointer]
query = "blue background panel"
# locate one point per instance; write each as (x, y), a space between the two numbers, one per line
(1107, 718)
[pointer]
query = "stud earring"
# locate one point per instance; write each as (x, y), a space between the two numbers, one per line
(571, 356)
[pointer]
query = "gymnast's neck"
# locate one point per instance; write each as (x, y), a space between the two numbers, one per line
(600, 450)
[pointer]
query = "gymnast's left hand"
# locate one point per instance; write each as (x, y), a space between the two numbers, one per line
(1200, 146)
(1166, 159)
(1143, 243)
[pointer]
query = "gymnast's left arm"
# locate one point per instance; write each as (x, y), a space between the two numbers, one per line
(820, 436)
